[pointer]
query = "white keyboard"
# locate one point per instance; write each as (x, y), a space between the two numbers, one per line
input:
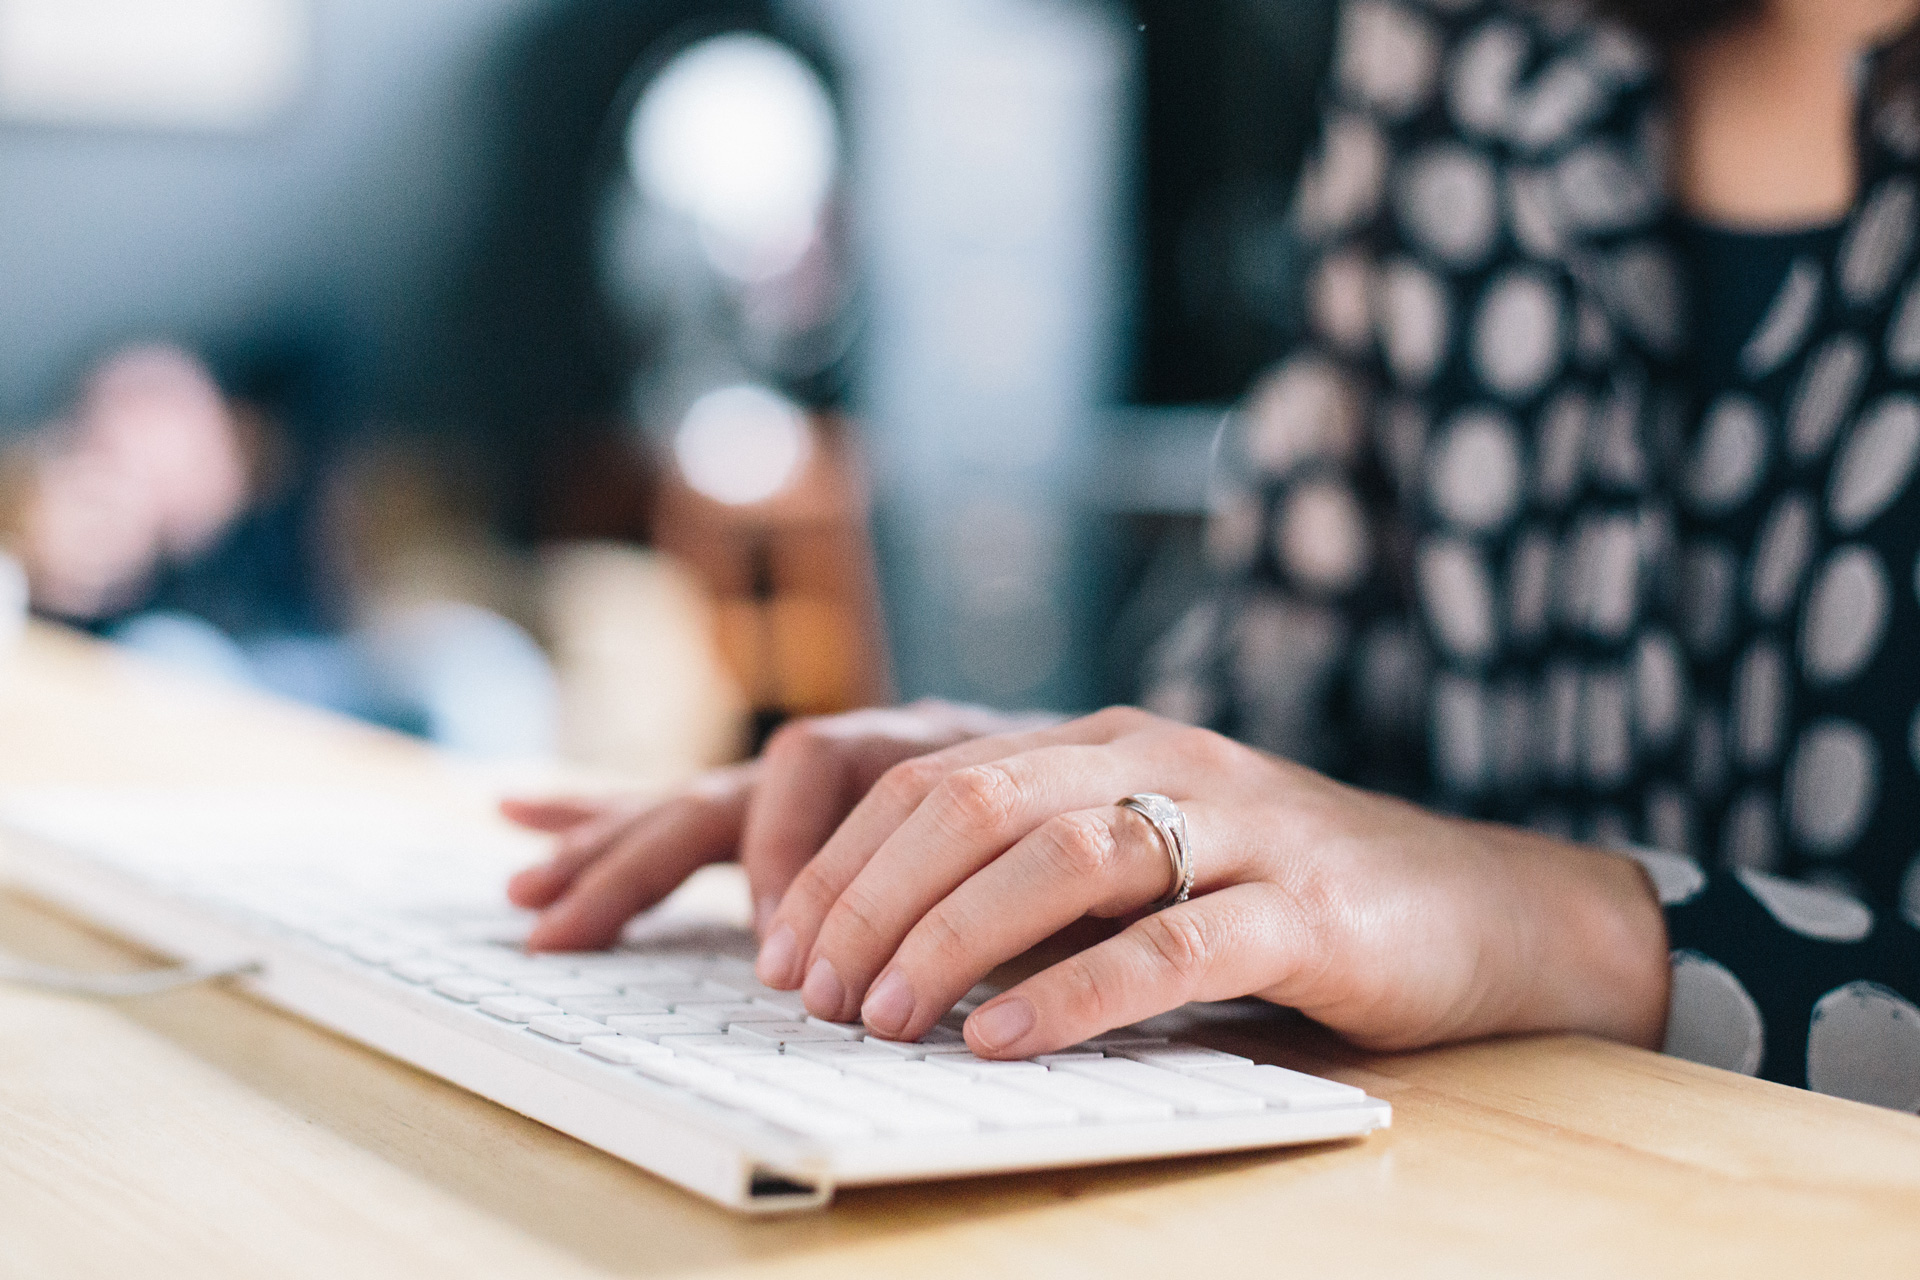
(385, 922)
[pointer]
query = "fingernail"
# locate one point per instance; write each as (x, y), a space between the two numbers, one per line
(998, 1026)
(763, 913)
(825, 994)
(778, 955)
(889, 1005)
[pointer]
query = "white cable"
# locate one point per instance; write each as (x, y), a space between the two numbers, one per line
(118, 986)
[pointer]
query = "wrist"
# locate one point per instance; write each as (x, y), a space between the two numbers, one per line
(1598, 961)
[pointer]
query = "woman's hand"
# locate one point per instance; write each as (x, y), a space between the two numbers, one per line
(1392, 925)
(615, 858)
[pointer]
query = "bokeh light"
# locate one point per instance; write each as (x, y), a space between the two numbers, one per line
(743, 444)
(739, 135)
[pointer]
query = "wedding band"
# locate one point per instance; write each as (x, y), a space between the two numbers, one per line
(1171, 825)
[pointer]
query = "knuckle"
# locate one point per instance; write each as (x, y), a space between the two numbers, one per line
(796, 738)
(857, 915)
(812, 889)
(1213, 751)
(1081, 845)
(1081, 991)
(942, 938)
(1119, 719)
(1179, 942)
(911, 779)
(982, 796)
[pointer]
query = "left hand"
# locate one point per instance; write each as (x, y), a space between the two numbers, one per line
(1392, 925)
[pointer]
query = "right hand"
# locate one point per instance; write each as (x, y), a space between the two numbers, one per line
(616, 857)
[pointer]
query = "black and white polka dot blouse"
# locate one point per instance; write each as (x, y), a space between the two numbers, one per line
(1519, 531)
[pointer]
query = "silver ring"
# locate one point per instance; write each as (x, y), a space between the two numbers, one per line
(1171, 825)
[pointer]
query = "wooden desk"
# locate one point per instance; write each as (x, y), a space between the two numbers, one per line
(201, 1134)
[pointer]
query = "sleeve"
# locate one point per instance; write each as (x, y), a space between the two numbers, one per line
(1791, 982)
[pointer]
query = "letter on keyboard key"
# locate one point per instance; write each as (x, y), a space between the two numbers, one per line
(553, 987)
(566, 1028)
(1293, 1090)
(470, 988)
(1187, 1059)
(519, 1008)
(651, 1026)
(1190, 1095)
(624, 1050)
(1090, 1098)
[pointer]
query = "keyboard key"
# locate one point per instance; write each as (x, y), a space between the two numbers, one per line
(1292, 1090)
(520, 1008)
(469, 987)
(624, 1050)
(835, 1052)
(725, 1013)
(382, 951)
(785, 1109)
(845, 1030)
(1190, 1095)
(491, 962)
(991, 1104)
(651, 1026)
(1090, 1098)
(681, 1072)
(1122, 1038)
(552, 987)
(674, 993)
(1069, 1055)
(601, 1008)
(788, 1003)
(1184, 1058)
(893, 1111)
(717, 1047)
(785, 1072)
(422, 969)
(619, 970)
(975, 1068)
(566, 1028)
(781, 1032)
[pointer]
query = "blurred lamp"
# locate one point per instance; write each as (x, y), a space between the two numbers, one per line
(738, 134)
(741, 445)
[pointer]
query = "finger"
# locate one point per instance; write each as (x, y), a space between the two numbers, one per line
(801, 797)
(1239, 940)
(550, 813)
(893, 799)
(646, 864)
(1107, 861)
(970, 819)
(577, 848)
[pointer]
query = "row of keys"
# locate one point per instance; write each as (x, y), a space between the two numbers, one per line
(706, 1024)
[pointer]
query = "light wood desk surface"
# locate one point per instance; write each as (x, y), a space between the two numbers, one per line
(202, 1134)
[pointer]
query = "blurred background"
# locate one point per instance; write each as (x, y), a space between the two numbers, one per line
(612, 380)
